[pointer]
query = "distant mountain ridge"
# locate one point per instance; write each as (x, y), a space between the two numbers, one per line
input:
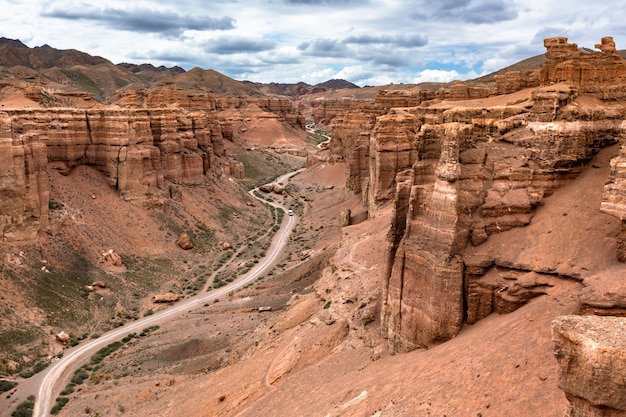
(77, 71)
(136, 68)
(13, 52)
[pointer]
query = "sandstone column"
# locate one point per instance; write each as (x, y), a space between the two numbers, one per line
(424, 292)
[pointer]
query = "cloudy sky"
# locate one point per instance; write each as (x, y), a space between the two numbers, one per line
(368, 42)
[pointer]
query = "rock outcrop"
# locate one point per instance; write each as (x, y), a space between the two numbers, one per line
(600, 73)
(110, 258)
(461, 181)
(63, 338)
(456, 174)
(513, 81)
(138, 151)
(184, 242)
(591, 353)
(159, 138)
(272, 187)
(24, 188)
(169, 297)
(323, 110)
(614, 198)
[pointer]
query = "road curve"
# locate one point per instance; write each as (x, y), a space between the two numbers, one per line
(73, 358)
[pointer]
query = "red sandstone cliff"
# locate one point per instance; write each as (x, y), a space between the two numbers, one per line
(458, 172)
(158, 138)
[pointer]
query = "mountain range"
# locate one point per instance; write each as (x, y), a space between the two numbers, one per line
(80, 71)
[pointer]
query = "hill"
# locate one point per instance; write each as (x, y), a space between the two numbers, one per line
(77, 72)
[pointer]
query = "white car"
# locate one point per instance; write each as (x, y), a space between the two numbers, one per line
(290, 212)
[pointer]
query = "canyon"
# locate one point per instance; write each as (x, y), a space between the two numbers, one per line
(442, 231)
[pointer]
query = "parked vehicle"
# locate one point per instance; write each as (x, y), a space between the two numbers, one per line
(290, 212)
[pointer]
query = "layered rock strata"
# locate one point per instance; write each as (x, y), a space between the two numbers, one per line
(459, 182)
(601, 73)
(591, 353)
(268, 107)
(323, 110)
(144, 142)
(614, 198)
(139, 151)
(456, 174)
(24, 189)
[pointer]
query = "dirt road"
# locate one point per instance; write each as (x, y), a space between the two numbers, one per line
(53, 378)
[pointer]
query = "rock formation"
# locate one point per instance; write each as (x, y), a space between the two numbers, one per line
(159, 138)
(184, 242)
(272, 187)
(169, 297)
(591, 353)
(323, 110)
(457, 173)
(614, 198)
(63, 338)
(24, 189)
(137, 150)
(513, 81)
(110, 258)
(601, 73)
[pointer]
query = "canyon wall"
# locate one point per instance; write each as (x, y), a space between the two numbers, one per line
(139, 151)
(143, 143)
(455, 174)
(470, 177)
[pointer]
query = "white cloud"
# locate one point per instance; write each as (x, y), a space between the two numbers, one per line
(435, 76)
(367, 42)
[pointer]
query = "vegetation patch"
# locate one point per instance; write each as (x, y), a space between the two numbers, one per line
(83, 81)
(59, 404)
(26, 408)
(7, 385)
(57, 292)
(83, 373)
(14, 337)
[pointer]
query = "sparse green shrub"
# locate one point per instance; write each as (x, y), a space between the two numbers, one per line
(60, 403)
(25, 409)
(106, 351)
(128, 338)
(69, 388)
(79, 376)
(27, 373)
(7, 385)
(40, 366)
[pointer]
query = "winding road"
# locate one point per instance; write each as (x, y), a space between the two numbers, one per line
(73, 358)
